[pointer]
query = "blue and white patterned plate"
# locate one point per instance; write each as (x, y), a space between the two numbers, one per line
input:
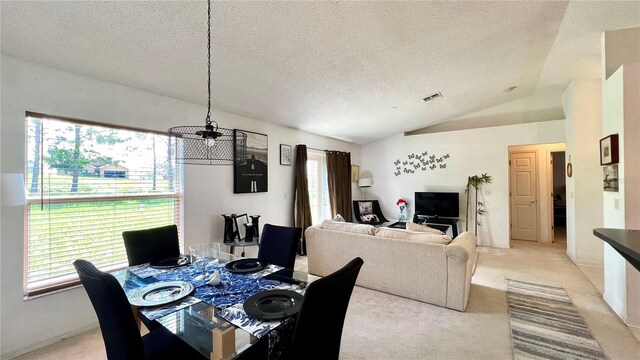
(160, 293)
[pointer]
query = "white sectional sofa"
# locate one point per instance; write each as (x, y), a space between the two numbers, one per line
(426, 267)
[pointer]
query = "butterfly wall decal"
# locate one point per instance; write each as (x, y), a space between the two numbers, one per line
(424, 162)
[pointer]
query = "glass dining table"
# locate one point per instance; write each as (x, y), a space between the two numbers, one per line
(212, 319)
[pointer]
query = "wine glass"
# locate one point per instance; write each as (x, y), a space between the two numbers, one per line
(201, 255)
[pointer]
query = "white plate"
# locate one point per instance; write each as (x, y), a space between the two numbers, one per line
(160, 293)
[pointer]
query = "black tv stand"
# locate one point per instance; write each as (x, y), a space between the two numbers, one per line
(453, 222)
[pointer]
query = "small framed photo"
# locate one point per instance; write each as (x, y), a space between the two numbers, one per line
(610, 178)
(285, 154)
(355, 173)
(609, 150)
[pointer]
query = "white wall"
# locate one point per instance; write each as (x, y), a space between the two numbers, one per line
(208, 189)
(582, 105)
(621, 115)
(471, 152)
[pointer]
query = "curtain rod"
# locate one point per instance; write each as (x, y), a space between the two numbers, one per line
(311, 148)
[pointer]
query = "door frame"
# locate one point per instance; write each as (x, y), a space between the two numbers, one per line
(545, 186)
(549, 162)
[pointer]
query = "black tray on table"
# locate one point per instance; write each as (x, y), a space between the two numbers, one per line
(273, 304)
(246, 265)
(170, 263)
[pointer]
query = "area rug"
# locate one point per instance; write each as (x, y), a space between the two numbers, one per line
(546, 325)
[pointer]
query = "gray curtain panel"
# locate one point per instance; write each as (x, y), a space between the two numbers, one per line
(339, 173)
(302, 206)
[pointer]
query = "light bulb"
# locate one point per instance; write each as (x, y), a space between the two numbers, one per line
(211, 142)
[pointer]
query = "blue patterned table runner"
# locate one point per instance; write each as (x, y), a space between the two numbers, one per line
(228, 296)
(233, 288)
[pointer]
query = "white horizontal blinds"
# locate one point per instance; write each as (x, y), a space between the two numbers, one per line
(86, 184)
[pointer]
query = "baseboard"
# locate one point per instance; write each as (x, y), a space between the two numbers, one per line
(45, 342)
(587, 264)
(591, 265)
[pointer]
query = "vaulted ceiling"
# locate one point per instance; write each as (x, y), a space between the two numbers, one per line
(356, 71)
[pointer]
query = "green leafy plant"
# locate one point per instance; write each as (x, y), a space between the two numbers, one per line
(476, 183)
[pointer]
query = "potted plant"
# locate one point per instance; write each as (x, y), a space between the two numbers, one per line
(476, 183)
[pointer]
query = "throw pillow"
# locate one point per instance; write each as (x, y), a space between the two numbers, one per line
(366, 207)
(338, 218)
(423, 228)
(370, 219)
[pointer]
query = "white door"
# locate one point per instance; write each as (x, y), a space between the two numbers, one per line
(524, 197)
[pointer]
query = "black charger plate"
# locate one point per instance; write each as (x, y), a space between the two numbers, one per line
(273, 304)
(247, 265)
(170, 263)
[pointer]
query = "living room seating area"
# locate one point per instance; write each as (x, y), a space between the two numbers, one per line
(422, 266)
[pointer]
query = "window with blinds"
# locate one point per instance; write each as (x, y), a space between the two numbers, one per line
(87, 183)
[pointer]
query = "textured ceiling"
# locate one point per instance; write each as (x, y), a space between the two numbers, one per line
(350, 70)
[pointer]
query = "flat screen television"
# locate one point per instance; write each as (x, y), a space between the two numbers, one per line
(437, 204)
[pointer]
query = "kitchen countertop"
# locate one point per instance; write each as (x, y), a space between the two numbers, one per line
(625, 241)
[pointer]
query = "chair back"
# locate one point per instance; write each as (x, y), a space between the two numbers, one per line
(278, 245)
(151, 245)
(319, 329)
(119, 331)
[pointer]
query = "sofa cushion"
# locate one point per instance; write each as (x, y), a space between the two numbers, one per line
(403, 234)
(338, 218)
(348, 227)
(422, 228)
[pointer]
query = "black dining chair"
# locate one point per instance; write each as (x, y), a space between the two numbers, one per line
(319, 328)
(119, 331)
(278, 245)
(151, 245)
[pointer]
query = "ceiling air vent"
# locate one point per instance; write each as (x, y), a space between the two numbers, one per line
(432, 97)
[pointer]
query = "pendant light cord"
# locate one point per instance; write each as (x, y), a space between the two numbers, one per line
(209, 61)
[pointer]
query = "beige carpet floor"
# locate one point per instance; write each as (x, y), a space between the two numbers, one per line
(383, 326)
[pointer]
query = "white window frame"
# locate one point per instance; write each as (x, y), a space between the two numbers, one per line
(61, 282)
(323, 210)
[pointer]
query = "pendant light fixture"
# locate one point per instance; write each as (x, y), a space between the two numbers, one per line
(208, 145)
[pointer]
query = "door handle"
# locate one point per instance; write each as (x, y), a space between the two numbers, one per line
(533, 201)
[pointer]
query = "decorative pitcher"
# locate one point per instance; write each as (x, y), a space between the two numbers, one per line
(254, 222)
(229, 234)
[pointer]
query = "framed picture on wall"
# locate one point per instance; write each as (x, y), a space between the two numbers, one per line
(609, 150)
(355, 173)
(285, 154)
(250, 168)
(610, 178)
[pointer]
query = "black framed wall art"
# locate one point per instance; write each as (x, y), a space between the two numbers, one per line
(250, 172)
(609, 150)
(285, 154)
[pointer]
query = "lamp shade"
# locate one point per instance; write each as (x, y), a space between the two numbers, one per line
(365, 182)
(13, 190)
